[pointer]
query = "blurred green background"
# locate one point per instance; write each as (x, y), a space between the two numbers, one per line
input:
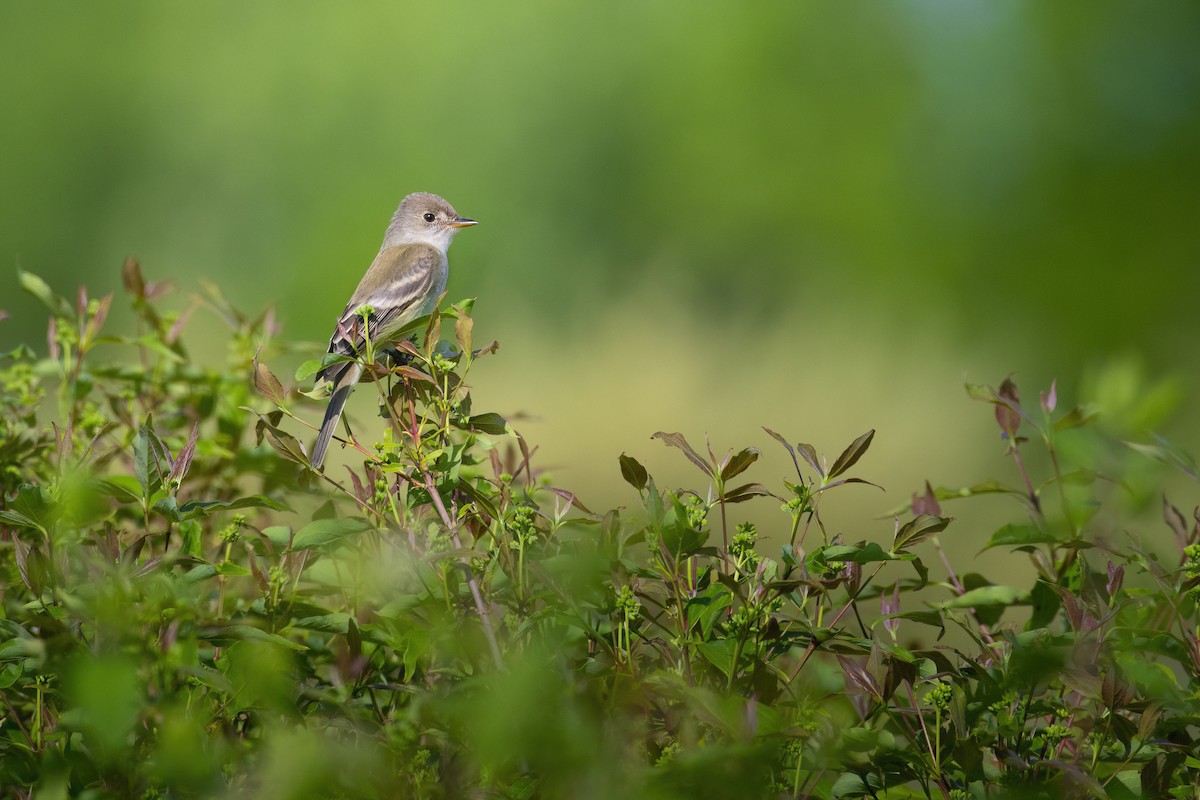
(820, 217)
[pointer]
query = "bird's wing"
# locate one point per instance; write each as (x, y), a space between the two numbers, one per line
(399, 286)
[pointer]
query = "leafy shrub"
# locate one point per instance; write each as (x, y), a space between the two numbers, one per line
(189, 611)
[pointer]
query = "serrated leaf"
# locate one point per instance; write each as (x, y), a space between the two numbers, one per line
(852, 454)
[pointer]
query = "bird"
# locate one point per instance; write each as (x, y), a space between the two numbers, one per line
(403, 283)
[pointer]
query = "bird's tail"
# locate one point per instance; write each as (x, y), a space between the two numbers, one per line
(342, 387)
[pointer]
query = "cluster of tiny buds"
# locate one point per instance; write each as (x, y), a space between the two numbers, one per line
(229, 533)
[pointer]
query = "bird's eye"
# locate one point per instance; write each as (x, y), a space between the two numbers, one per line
(428, 217)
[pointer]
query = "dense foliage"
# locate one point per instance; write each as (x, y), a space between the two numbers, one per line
(189, 611)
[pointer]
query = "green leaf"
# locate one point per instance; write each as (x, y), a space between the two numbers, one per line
(490, 422)
(633, 472)
(323, 532)
(1020, 536)
(41, 290)
(32, 507)
(310, 367)
(851, 454)
(1074, 418)
(20, 520)
(931, 618)
(919, 529)
(989, 596)
(326, 623)
(719, 653)
(248, 633)
(1169, 454)
(200, 508)
(705, 609)
(863, 554)
(849, 784)
(278, 535)
(123, 488)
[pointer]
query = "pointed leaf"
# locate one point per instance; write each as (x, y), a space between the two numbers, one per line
(791, 450)
(809, 454)
(183, 461)
(490, 422)
(266, 383)
(41, 290)
(739, 463)
(678, 440)
(918, 530)
(323, 532)
(852, 454)
(463, 327)
(746, 492)
(633, 472)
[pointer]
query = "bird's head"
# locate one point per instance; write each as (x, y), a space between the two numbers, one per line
(425, 218)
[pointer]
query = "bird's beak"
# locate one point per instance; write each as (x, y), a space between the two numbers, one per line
(463, 222)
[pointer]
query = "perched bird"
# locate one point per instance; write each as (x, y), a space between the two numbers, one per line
(402, 283)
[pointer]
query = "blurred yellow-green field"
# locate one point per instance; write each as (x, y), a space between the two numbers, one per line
(822, 218)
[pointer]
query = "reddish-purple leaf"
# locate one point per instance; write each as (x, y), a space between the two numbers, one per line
(852, 454)
(266, 383)
(1116, 577)
(677, 440)
(183, 461)
(738, 463)
(809, 454)
(1050, 399)
(791, 450)
(1008, 413)
(858, 675)
(131, 276)
(926, 503)
(1176, 522)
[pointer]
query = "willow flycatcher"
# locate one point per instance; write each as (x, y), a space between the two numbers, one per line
(402, 283)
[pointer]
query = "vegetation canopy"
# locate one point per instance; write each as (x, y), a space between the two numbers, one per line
(190, 611)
